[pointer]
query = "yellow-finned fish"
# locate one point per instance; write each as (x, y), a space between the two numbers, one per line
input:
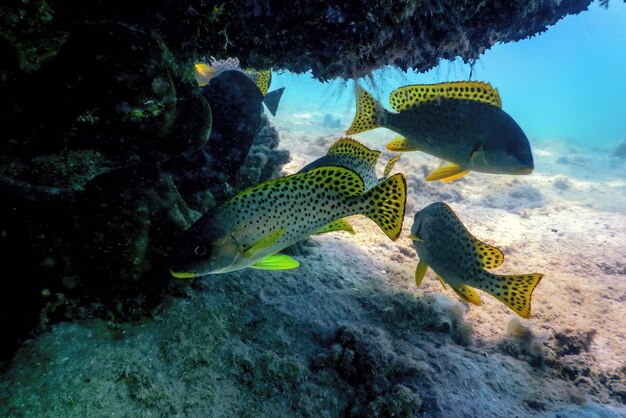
(250, 228)
(262, 79)
(460, 122)
(353, 155)
(459, 259)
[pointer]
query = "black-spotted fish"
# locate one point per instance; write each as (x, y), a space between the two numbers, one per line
(459, 259)
(262, 79)
(353, 155)
(460, 122)
(249, 229)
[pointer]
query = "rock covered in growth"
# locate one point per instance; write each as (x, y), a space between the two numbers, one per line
(358, 37)
(110, 88)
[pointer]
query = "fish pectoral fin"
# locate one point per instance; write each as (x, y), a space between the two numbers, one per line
(385, 205)
(276, 262)
(490, 256)
(401, 144)
(515, 291)
(420, 272)
(390, 164)
(414, 237)
(338, 225)
(447, 172)
(442, 281)
(265, 242)
(467, 294)
(272, 99)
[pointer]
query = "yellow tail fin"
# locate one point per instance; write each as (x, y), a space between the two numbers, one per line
(385, 205)
(514, 291)
(368, 112)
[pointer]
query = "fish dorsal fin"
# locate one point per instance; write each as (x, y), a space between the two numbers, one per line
(420, 272)
(467, 294)
(265, 242)
(276, 262)
(348, 146)
(447, 172)
(263, 80)
(390, 164)
(408, 97)
(338, 225)
(341, 180)
(490, 256)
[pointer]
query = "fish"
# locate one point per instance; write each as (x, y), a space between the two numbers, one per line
(460, 122)
(262, 79)
(353, 155)
(459, 259)
(250, 229)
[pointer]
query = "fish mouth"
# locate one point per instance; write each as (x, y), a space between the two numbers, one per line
(523, 171)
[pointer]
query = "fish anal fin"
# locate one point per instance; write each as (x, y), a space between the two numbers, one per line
(467, 294)
(442, 281)
(407, 97)
(348, 146)
(490, 256)
(265, 242)
(390, 165)
(447, 172)
(368, 112)
(515, 291)
(338, 225)
(401, 144)
(420, 272)
(385, 205)
(276, 262)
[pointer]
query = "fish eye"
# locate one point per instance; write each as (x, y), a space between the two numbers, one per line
(200, 250)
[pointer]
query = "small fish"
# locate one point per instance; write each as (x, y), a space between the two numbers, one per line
(459, 122)
(250, 228)
(459, 259)
(353, 155)
(262, 79)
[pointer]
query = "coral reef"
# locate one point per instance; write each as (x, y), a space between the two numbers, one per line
(361, 37)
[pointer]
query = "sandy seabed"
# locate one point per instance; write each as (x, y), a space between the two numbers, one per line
(349, 334)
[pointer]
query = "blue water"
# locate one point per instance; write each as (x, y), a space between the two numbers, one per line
(567, 83)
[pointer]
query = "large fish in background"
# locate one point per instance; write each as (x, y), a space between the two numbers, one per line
(459, 259)
(262, 79)
(460, 122)
(250, 228)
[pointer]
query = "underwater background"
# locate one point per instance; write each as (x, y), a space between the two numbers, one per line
(99, 327)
